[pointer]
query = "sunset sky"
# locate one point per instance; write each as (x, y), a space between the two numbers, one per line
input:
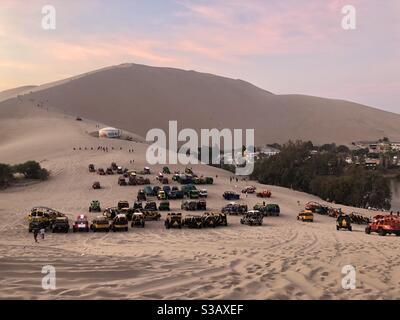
(283, 46)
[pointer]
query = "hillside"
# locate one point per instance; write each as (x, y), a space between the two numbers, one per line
(138, 98)
(11, 93)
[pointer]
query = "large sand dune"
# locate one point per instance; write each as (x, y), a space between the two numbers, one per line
(283, 259)
(138, 98)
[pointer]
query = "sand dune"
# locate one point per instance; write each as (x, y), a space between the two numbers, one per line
(12, 93)
(138, 98)
(283, 259)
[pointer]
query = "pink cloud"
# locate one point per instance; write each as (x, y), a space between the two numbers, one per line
(217, 30)
(109, 48)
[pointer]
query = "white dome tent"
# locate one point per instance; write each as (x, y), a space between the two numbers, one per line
(110, 132)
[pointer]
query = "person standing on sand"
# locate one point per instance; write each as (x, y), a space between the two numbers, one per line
(35, 234)
(42, 232)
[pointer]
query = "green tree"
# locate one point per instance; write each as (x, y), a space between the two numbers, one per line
(325, 175)
(31, 170)
(6, 175)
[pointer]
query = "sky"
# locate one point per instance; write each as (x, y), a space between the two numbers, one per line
(283, 46)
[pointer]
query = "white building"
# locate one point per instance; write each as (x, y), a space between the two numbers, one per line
(110, 133)
(269, 151)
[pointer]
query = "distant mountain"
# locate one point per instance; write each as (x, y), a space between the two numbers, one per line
(138, 98)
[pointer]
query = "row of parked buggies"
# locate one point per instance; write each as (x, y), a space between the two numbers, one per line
(207, 219)
(118, 218)
(380, 224)
(318, 208)
(188, 205)
(270, 209)
(54, 221)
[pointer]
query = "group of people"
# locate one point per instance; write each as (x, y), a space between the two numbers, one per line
(99, 148)
(237, 179)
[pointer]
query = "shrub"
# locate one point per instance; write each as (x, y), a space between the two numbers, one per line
(31, 170)
(6, 175)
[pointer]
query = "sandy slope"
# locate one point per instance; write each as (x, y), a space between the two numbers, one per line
(283, 259)
(138, 98)
(11, 93)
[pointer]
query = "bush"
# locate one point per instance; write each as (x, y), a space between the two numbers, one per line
(6, 175)
(31, 170)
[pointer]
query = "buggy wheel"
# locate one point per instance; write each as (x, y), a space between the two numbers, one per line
(367, 230)
(350, 228)
(382, 232)
(337, 228)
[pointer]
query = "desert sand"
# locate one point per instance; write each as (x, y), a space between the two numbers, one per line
(283, 259)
